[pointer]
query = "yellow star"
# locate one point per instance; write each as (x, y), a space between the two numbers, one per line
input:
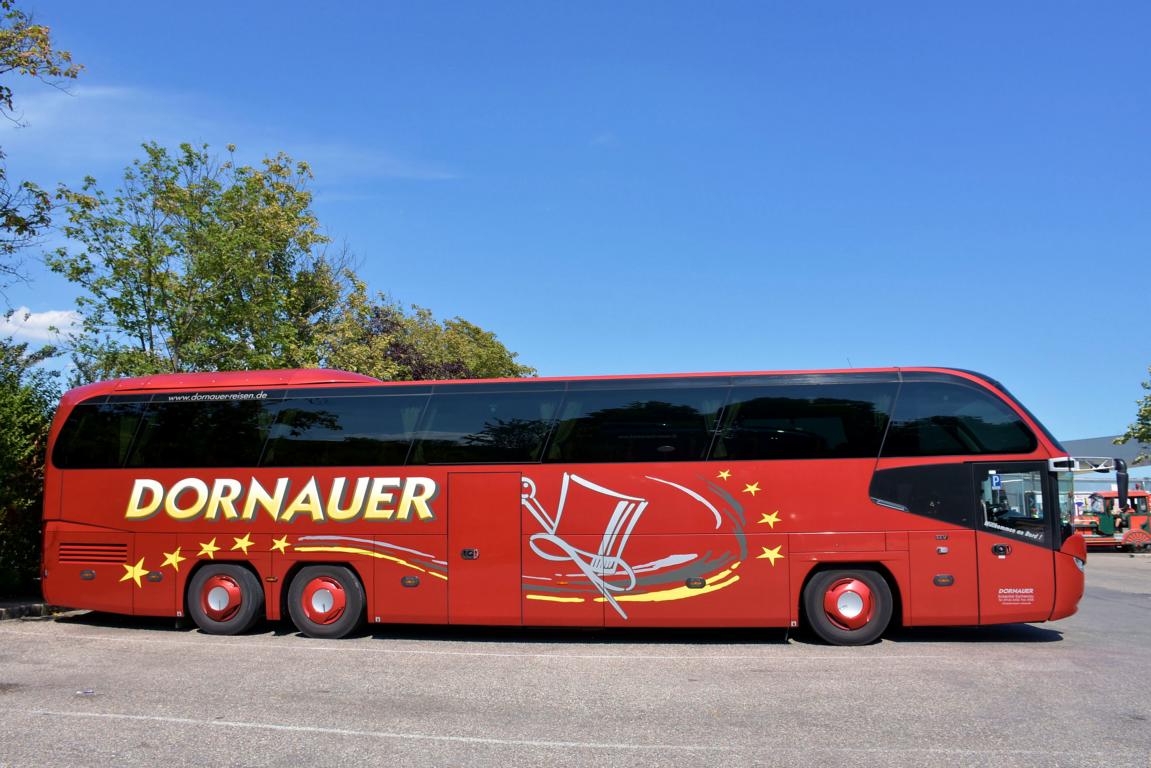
(770, 554)
(771, 519)
(173, 559)
(752, 489)
(280, 545)
(723, 475)
(210, 549)
(242, 544)
(134, 572)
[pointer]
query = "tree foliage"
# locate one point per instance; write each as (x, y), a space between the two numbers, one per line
(27, 393)
(26, 49)
(192, 264)
(380, 338)
(27, 398)
(198, 265)
(1140, 429)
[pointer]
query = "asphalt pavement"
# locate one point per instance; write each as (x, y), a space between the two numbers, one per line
(98, 690)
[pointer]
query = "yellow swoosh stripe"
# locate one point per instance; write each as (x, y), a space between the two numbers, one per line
(678, 593)
(370, 553)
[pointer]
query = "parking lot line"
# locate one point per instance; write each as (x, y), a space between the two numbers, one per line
(777, 749)
(384, 734)
(344, 646)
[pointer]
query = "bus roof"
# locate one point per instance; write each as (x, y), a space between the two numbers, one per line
(222, 380)
(327, 376)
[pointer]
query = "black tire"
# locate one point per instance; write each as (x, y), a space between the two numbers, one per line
(225, 599)
(326, 601)
(848, 607)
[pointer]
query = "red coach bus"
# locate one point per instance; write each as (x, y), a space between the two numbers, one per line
(841, 498)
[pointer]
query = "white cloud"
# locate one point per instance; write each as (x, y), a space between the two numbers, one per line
(337, 161)
(604, 139)
(23, 323)
(98, 130)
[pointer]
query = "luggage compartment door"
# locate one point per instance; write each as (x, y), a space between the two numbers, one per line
(484, 548)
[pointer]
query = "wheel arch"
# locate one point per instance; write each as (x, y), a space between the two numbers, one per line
(247, 565)
(897, 617)
(299, 565)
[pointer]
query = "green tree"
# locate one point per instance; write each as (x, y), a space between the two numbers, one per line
(25, 49)
(198, 265)
(1140, 429)
(27, 398)
(27, 393)
(380, 338)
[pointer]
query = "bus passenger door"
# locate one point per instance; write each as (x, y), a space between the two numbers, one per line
(1014, 542)
(484, 548)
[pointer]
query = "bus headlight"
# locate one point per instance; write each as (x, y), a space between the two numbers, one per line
(1082, 564)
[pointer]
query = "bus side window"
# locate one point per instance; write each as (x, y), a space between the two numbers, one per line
(352, 431)
(673, 424)
(805, 421)
(485, 427)
(1013, 503)
(97, 436)
(229, 433)
(949, 419)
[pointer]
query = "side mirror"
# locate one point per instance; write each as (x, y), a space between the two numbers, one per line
(1121, 482)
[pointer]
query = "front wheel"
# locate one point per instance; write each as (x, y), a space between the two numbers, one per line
(225, 599)
(848, 607)
(326, 601)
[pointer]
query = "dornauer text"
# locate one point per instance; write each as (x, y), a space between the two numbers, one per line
(342, 499)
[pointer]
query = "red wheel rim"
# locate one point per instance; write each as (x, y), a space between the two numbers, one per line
(323, 600)
(221, 597)
(849, 603)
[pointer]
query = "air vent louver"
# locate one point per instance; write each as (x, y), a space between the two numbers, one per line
(93, 553)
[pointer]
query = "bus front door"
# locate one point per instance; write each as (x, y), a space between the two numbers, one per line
(484, 548)
(1014, 545)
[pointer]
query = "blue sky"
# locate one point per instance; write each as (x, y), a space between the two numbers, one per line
(672, 186)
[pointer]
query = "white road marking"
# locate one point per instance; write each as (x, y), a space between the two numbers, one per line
(348, 646)
(778, 749)
(384, 734)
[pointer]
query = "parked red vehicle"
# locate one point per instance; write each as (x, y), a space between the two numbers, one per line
(657, 501)
(1107, 524)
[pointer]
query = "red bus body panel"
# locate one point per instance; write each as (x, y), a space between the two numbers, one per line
(642, 544)
(483, 548)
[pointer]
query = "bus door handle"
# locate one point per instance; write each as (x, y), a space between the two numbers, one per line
(1001, 550)
(470, 554)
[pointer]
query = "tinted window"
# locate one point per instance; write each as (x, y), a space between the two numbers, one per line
(636, 425)
(939, 491)
(344, 431)
(812, 421)
(218, 433)
(97, 436)
(941, 419)
(481, 427)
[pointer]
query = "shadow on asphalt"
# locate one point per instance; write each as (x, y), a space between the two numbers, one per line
(999, 633)
(1004, 633)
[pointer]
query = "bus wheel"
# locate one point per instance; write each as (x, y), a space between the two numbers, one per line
(848, 607)
(326, 601)
(225, 599)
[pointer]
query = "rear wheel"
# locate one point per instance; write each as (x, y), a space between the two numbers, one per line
(225, 599)
(848, 607)
(1137, 540)
(326, 601)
